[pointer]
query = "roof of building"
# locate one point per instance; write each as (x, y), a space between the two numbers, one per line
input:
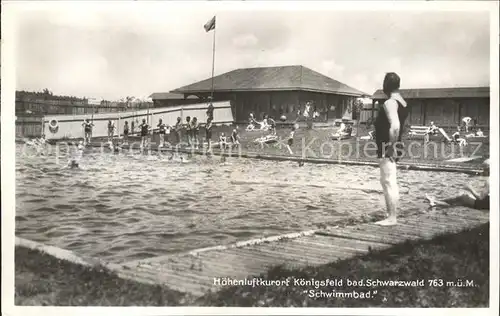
(166, 96)
(272, 79)
(439, 93)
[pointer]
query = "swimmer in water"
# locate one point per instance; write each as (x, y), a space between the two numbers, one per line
(74, 161)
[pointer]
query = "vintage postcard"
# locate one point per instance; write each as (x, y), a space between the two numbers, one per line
(246, 157)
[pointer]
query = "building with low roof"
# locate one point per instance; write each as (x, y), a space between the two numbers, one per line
(275, 91)
(444, 106)
(166, 99)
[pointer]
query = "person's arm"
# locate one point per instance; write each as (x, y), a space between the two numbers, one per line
(391, 110)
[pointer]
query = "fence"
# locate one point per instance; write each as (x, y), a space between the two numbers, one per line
(51, 108)
(29, 126)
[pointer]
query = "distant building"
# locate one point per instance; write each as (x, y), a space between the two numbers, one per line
(276, 91)
(444, 106)
(166, 99)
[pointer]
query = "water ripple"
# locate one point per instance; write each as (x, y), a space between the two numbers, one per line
(122, 208)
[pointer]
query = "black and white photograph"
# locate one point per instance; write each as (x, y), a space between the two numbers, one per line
(219, 155)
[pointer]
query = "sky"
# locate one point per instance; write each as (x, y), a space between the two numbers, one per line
(123, 51)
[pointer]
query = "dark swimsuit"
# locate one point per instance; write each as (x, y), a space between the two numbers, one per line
(88, 127)
(382, 127)
(144, 130)
(162, 128)
(208, 132)
(482, 204)
(125, 131)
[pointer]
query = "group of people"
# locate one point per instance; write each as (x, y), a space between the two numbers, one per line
(345, 130)
(191, 129)
(388, 134)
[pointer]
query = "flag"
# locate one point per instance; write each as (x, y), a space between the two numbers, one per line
(210, 25)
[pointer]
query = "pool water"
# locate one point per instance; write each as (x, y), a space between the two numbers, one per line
(127, 207)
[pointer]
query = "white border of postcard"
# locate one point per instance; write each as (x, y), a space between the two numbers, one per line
(8, 152)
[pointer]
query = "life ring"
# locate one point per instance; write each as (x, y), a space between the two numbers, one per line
(53, 125)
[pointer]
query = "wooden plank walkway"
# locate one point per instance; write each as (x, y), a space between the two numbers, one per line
(195, 272)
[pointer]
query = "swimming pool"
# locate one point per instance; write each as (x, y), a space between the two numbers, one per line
(122, 207)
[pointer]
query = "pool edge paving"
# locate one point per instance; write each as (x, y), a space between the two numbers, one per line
(195, 272)
(440, 166)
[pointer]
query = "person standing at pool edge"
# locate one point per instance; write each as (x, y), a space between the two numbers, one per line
(389, 125)
(161, 127)
(87, 125)
(125, 133)
(144, 133)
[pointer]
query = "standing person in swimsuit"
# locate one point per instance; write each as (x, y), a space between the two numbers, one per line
(87, 127)
(466, 121)
(290, 139)
(168, 130)
(210, 111)
(125, 133)
(208, 133)
(161, 131)
(177, 130)
(111, 130)
(188, 130)
(195, 129)
(388, 133)
(144, 133)
(235, 138)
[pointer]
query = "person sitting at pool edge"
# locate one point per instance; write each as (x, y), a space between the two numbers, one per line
(271, 123)
(222, 141)
(472, 199)
(433, 129)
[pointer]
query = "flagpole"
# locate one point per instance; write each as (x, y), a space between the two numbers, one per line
(213, 63)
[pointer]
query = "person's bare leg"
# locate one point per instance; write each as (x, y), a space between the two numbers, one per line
(388, 180)
(462, 200)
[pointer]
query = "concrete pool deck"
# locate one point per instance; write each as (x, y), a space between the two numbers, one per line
(196, 272)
